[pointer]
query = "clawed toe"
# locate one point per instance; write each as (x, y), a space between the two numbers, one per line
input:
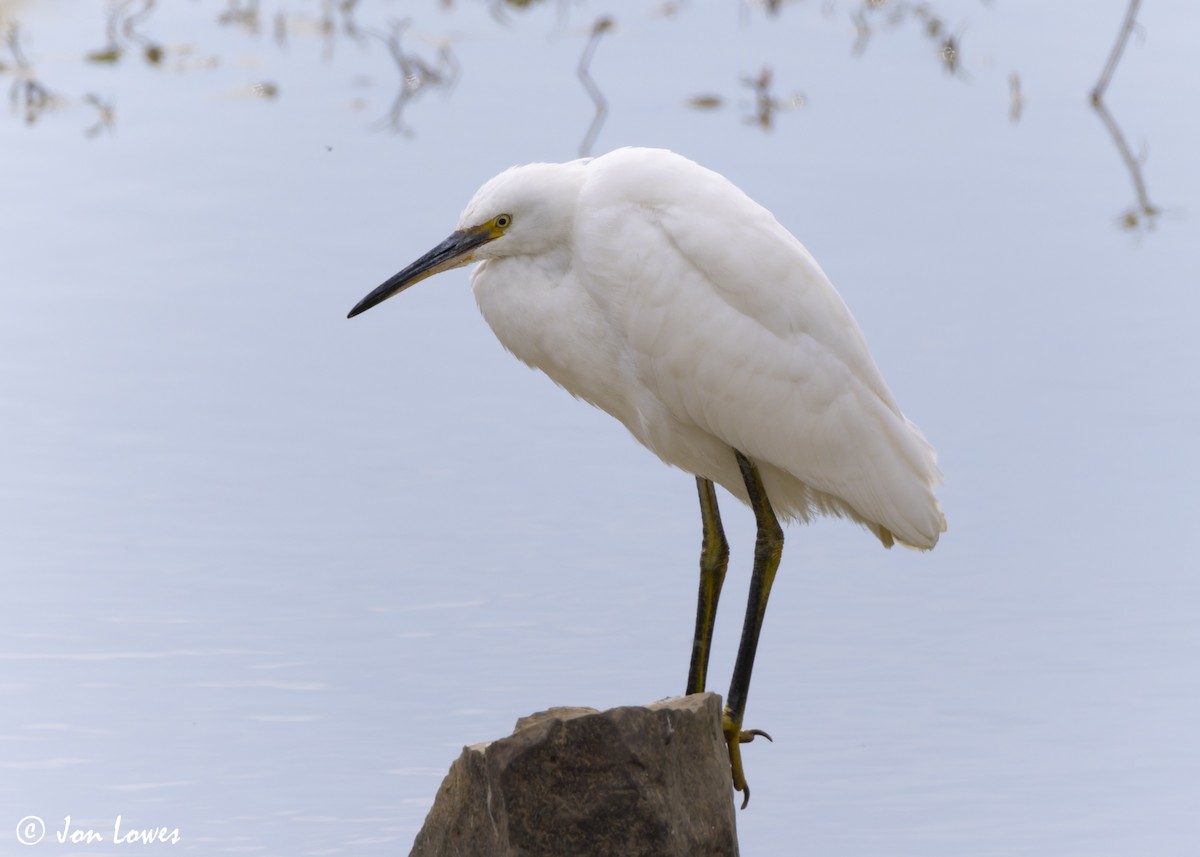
(735, 737)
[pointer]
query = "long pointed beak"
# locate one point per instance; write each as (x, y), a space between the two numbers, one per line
(455, 251)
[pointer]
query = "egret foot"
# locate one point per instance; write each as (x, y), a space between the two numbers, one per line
(735, 737)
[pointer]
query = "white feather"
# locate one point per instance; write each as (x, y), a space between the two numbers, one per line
(659, 292)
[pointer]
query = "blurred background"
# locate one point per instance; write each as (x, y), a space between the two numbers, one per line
(266, 571)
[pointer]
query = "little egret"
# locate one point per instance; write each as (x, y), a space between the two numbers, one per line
(659, 292)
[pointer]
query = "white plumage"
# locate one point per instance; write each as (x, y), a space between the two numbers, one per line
(659, 292)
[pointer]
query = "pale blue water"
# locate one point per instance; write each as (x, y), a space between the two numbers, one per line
(267, 570)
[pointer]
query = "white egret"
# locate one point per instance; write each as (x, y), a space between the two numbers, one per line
(659, 292)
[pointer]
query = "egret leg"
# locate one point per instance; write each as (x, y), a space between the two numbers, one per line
(768, 547)
(714, 559)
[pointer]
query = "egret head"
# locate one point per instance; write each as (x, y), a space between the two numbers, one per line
(523, 211)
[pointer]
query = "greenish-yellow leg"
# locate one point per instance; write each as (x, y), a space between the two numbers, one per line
(768, 547)
(714, 558)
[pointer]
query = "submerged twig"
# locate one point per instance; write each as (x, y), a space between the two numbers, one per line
(416, 75)
(949, 49)
(27, 91)
(122, 27)
(766, 104)
(1016, 98)
(1143, 212)
(106, 115)
(601, 26)
(244, 15)
(1114, 57)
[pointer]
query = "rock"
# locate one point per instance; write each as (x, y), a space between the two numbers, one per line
(629, 781)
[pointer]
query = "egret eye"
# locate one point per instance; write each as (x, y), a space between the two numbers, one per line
(503, 221)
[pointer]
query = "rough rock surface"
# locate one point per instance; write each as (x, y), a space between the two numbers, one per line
(630, 781)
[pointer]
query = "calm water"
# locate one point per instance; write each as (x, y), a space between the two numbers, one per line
(267, 570)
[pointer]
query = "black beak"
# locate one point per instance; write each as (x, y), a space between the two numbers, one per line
(451, 253)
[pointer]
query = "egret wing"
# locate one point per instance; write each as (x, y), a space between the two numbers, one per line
(735, 329)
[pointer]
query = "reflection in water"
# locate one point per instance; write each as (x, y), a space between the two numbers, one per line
(122, 30)
(107, 115)
(325, 26)
(27, 93)
(948, 51)
(601, 26)
(1114, 56)
(1016, 97)
(1143, 212)
(416, 75)
(126, 20)
(349, 26)
(244, 15)
(766, 104)
(706, 101)
(896, 14)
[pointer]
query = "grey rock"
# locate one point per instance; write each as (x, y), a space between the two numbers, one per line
(648, 781)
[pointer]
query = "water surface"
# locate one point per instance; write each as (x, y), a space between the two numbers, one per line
(268, 570)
